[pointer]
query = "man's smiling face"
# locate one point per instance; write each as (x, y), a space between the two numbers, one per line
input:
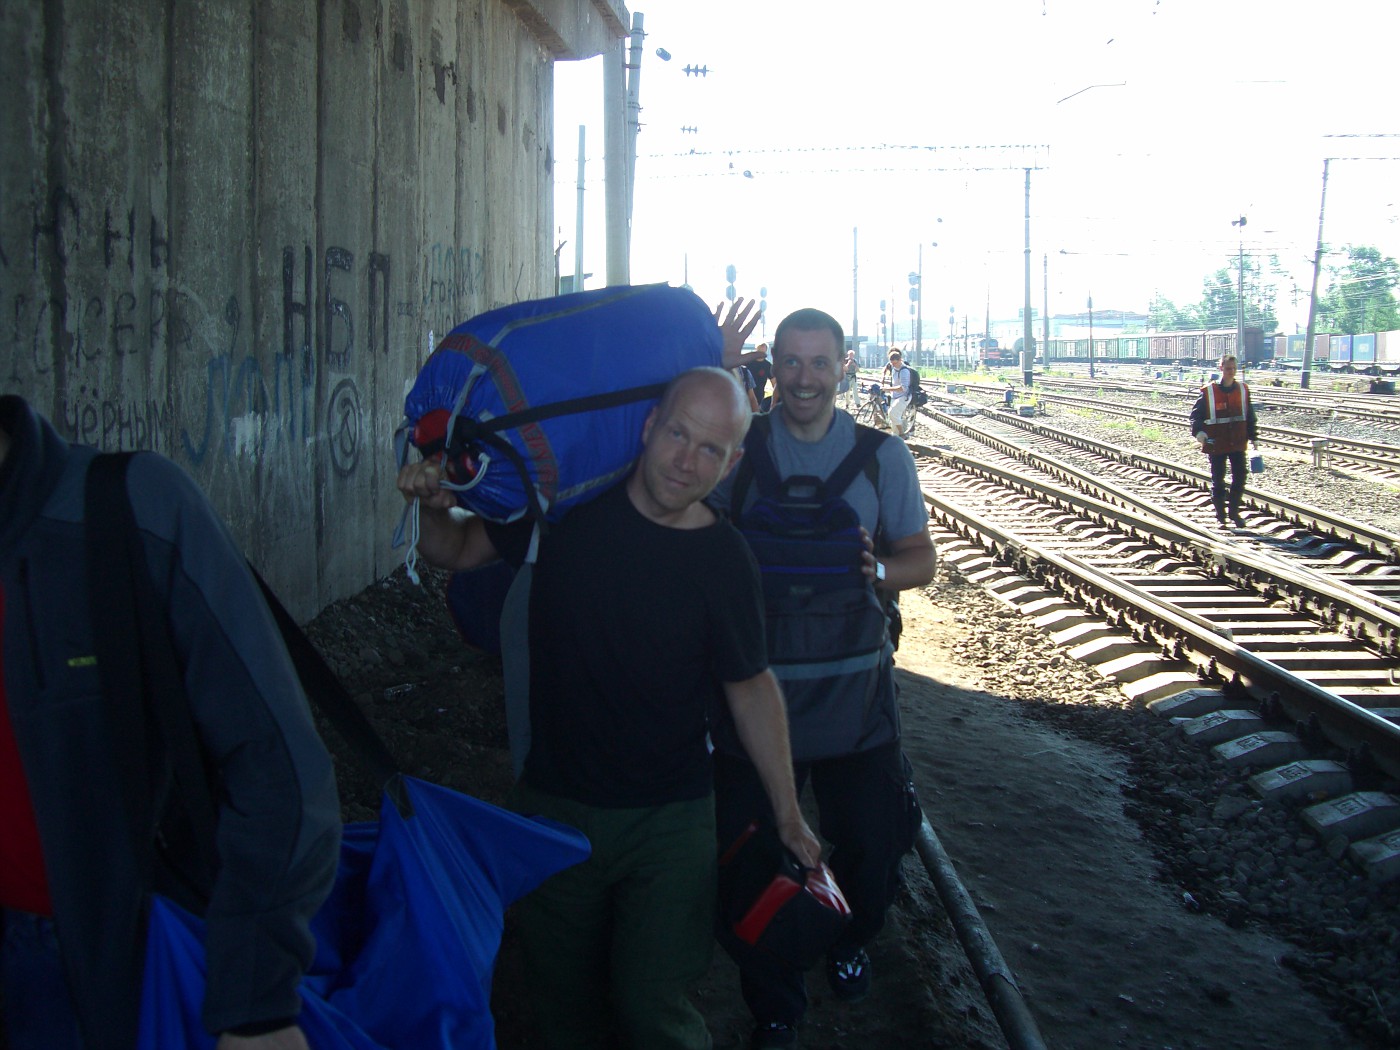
(807, 368)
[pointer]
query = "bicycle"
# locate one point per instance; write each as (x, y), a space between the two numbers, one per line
(871, 411)
(911, 419)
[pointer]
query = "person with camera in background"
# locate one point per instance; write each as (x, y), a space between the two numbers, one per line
(897, 382)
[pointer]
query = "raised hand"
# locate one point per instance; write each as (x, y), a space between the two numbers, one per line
(735, 327)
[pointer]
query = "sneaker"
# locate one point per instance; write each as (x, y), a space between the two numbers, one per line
(849, 978)
(1237, 519)
(773, 1036)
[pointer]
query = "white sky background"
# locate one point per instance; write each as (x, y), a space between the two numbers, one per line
(874, 114)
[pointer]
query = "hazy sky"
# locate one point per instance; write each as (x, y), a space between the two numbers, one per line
(1150, 125)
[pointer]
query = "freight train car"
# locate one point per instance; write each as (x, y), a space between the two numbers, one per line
(1168, 348)
(1288, 350)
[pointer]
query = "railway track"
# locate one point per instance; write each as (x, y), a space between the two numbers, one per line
(1373, 460)
(1278, 645)
(1378, 411)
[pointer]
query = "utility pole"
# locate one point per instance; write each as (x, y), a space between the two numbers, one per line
(615, 164)
(1045, 309)
(634, 114)
(919, 306)
(621, 119)
(1239, 319)
(1027, 338)
(1241, 222)
(855, 289)
(987, 325)
(578, 217)
(1306, 377)
(1091, 335)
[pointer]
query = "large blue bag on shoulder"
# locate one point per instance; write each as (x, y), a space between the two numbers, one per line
(539, 406)
(405, 943)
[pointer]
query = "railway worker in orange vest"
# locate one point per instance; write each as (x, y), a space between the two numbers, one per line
(1223, 421)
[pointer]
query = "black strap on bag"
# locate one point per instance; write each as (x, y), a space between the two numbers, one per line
(331, 698)
(467, 432)
(141, 672)
(757, 465)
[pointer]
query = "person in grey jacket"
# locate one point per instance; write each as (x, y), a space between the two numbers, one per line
(71, 884)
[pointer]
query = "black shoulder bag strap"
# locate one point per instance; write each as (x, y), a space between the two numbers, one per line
(860, 458)
(325, 690)
(756, 461)
(138, 667)
(757, 465)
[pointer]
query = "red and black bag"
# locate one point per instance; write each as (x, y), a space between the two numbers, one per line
(770, 901)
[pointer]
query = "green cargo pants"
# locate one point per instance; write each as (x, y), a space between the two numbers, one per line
(614, 945)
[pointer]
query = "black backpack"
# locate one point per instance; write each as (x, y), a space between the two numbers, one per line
(826, 626)
(916, 390)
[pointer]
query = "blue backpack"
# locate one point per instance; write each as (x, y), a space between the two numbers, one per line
(827, 628)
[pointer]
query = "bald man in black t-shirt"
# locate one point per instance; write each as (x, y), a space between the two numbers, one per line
(645, 611)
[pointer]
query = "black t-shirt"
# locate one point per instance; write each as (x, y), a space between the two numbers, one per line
(633, 627)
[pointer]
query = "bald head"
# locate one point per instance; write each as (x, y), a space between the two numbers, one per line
(690, 441)
(715, 385)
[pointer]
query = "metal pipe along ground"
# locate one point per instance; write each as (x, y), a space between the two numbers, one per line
(998, 982)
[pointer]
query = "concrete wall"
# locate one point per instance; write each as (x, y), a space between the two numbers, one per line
(231, 230)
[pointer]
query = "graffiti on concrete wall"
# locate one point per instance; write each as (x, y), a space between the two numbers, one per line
(236, 398)
(453, 282)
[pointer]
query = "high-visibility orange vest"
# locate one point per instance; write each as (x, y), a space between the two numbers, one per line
(1227, 417)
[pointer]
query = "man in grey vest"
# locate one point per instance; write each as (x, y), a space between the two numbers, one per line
(859, 776)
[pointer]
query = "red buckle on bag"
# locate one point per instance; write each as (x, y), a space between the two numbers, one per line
(430, 438)
(771, 901)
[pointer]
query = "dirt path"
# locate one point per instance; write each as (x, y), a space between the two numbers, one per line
(1106, 954)
(1033, 816)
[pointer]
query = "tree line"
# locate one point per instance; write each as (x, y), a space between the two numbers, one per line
(1356, 294)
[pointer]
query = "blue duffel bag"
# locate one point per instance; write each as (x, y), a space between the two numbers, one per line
(539, 406)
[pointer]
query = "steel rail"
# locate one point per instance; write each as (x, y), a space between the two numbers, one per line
(1385, 455)
(1380, 542)
(1381, 614)
(1348, 724)
(1308, 401)
(998, 982)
